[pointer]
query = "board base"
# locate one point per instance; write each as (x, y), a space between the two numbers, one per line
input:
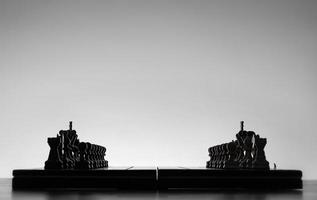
(199, 178)
(103, 178)
(157, 178)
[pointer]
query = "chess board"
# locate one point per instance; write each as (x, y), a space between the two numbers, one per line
(157, 178)
(204, 178)
(107, 178)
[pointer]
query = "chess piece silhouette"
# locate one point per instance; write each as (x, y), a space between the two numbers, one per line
(247, 146)
(83, 161)
(259, 159)
(241, 139)
(231, 162)
(246, 152)
(66, 152)
(54, 160)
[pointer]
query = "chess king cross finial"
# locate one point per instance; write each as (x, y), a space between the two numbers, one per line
(242, 125)
(70, 125)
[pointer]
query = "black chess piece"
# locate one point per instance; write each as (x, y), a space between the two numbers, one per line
(240, 136)
(214, 165)
(69, 143)
(208, 163)
(231, 162)
(247, 147)
(54, 160)
(68, 153)
(225, 155)
(83, 160)
(76, 150)
(222, 155)
(103, 156)
(259, 159)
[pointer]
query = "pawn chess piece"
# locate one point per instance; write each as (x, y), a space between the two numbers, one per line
(105, 162)
(89, 155)
(223, 156)
(83, 156)
(231, 163)
(208, 163)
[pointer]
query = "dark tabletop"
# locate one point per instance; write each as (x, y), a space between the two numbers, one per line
(309, 191)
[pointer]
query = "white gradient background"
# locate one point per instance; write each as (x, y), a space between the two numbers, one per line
(158, 82)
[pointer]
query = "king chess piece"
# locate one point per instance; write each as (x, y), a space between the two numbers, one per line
(241, 146)
(69, 138)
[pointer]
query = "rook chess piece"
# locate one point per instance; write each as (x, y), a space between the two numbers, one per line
(54, 160)
(259, 160)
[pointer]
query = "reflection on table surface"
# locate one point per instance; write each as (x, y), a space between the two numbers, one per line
(308, 192)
